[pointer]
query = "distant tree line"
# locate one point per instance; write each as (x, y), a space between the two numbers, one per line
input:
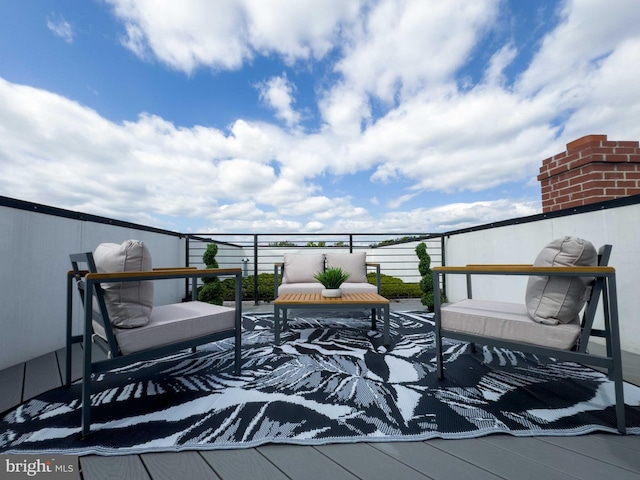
(383, 243)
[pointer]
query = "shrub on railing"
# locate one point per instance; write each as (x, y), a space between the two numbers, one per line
(211, 291)
(426, 284)
(265, 288)
(391, 287)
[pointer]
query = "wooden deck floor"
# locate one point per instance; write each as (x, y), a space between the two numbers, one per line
(594, 456)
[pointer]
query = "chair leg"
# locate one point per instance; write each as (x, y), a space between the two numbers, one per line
(440, 369)
(613, 345)
(619, 389)
(86, 364)
(68, 342)
(86, 390)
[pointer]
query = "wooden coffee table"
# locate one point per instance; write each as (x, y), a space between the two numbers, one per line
(348, 301)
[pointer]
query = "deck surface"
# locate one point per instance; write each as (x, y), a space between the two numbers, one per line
(594, 456)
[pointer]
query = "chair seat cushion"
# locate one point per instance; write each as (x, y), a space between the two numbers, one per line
(506, 321)
(316, 287)
(173, 323)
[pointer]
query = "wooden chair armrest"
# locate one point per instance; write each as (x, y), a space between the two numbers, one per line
(162, 274)
(482, 265)
(526, 270)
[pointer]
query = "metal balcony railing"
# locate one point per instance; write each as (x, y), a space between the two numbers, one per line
(257, 253)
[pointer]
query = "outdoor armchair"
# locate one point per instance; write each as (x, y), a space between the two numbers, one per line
(116, 289)
(547, 324)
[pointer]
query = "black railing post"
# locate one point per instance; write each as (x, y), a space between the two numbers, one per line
(350, 243)
(186, 263)
(443, 264)
(255, 269)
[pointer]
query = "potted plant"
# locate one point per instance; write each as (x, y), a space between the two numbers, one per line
(331, 279)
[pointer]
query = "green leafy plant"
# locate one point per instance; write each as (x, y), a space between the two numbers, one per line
(426, 284)
(332, 277)
(211, 291)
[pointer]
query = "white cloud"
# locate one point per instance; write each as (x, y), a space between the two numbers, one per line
(190, 34)
(457, 215)
(609, 100)
(187, 34)
(61, 28)
(394, 115)
(499, 61)
(298, 30)
(397, 202)
(277, 93)
(590, 31)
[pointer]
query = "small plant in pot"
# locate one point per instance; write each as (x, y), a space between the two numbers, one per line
(331, 279)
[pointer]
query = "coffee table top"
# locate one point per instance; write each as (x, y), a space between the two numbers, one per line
(318, 299)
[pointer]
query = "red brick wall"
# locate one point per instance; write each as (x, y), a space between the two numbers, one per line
(592, 169)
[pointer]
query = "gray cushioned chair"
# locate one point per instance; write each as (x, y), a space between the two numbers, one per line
(119, 317)
(565, 280)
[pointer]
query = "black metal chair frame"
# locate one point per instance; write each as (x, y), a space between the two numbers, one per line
(604, 285)
(89, 282)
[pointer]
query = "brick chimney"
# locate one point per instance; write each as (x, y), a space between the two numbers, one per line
(592, 170)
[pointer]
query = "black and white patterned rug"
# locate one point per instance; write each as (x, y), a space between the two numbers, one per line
(326, 383)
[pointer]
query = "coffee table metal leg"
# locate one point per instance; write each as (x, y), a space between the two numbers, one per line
(276, 324)
(373, 319)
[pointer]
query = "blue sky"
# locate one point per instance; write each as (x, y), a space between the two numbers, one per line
(307, 115)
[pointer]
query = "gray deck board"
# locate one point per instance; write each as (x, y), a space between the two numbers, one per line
(41, 375)
(76, 366)
(304, 463)
(605, 448)
(584, 467)
(130, 467)
(625, 441)
(364, 461)
(171, 466)
(498, 461)
(11, 382)
(434, 463)
(240, 464)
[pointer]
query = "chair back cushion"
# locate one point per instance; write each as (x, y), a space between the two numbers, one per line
(300, 268)
(355, 264)
(553, 300)
(129, 304)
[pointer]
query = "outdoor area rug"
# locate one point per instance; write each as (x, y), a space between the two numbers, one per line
(326, 383)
